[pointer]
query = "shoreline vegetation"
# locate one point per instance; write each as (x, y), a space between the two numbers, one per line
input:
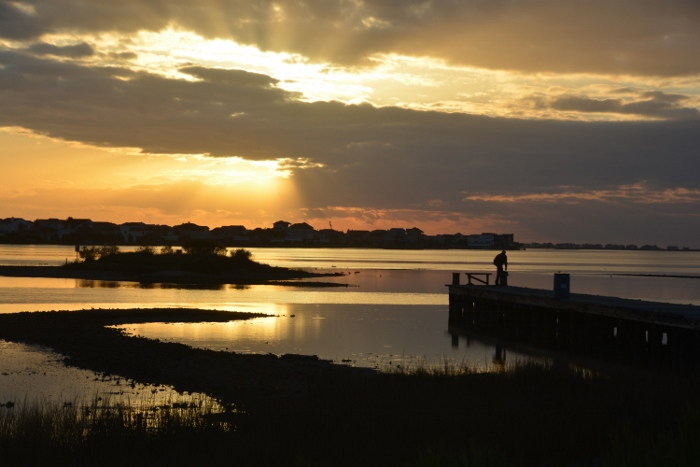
(200, 263)
(303, 411)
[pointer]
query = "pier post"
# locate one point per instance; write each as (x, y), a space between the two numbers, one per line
(456, 308)
(654, 345)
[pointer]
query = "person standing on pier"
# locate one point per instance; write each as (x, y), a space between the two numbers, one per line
(501, 262)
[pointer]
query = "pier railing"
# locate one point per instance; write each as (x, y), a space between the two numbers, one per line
(482, 278)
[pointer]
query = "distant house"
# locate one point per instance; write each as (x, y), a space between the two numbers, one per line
(191, 231)
(376, 237)
(358, 237)
(481, 241)
(278, 233)
(491, 241)
(450, 241)
(505, 241)
(300, 233)
(72, 226)
(50, 229)
(169, 236)
(260, 236)
(415, 237)
(132, 232)
(331, 237)
(395, 237)
(106, 228)
(230, 230)
(14, 225)
(99, 233)
(281, 225)
(230, 234)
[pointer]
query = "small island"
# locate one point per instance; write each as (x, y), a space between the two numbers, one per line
(201, 263)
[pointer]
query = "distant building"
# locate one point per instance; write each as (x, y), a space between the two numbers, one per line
(133, 232)
(189, 231)
(491, 241)
(415, 238)
(395, 238)
(300, 233)
(14, 225)
(230, 234)
(484, 241)
(283, 233)
(107, 228)
(50, 230)
(377, 237)
(331, 237)
(77, 225)
(280, 225)
(358, 237)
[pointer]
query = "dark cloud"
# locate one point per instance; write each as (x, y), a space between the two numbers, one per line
(573, 181)
(662, 105)
(600, 222)
(650, 104)
(625, 36)
(586, 104)
(230, 77)
(17, 24)
(360, 156)
(71, 51)
(237, 113)
(123, 55)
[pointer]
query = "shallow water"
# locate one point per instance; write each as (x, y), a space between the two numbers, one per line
(392, 312)
(33, 374)
(374, 336)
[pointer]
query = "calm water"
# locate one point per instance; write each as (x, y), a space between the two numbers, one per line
(393, 312)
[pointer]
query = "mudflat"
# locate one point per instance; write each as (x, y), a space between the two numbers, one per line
(87, 341)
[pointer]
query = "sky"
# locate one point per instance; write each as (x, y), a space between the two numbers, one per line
(554, 120)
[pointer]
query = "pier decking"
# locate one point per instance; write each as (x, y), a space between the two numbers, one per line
(634, 330)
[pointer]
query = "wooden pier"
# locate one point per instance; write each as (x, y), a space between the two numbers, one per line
(658, 334)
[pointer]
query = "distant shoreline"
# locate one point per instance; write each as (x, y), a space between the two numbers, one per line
(289, 277)
(519, 247)
(672, 276)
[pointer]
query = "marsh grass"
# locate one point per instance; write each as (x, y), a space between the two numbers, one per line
(677, 445)
(100, 432)
(543, 413)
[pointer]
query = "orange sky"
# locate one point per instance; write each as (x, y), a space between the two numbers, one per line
(556, 121)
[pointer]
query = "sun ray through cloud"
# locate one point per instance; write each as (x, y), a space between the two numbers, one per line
(431, 110)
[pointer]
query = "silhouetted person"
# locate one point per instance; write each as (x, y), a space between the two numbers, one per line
(501, 262)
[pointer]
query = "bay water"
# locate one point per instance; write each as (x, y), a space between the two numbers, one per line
(390, 310)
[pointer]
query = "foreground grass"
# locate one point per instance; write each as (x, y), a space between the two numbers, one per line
(98, 433)
(534, 414)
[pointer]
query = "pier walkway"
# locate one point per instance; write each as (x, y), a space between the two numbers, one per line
(624, 329)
